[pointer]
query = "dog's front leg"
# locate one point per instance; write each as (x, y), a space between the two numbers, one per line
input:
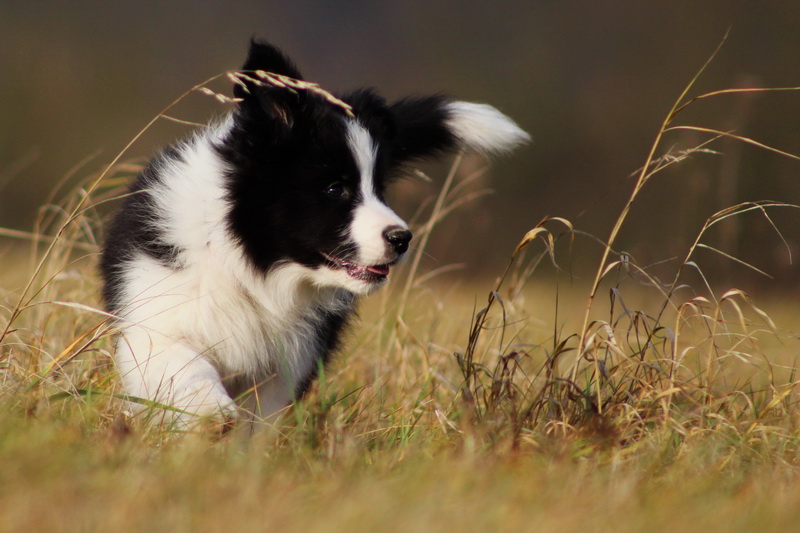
(169, 372)
(265, 402)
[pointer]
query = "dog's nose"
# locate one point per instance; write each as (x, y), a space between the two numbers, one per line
(398, 237)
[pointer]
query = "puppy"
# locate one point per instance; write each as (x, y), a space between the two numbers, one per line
(236, 261)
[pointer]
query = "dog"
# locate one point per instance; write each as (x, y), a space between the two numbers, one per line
(236, 260)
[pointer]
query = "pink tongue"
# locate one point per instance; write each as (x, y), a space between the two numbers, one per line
(381, 270)
(360, 271)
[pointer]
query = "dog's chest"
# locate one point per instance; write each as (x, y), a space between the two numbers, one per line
(276, 326)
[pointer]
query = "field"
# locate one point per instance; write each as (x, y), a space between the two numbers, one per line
(548, 399)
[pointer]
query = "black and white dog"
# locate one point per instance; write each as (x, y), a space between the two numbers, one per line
(236, 260)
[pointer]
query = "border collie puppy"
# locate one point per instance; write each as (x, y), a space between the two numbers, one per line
(236, 260)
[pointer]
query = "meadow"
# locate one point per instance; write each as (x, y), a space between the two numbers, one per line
(552, 398)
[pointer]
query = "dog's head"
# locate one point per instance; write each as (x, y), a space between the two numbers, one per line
(308, 170)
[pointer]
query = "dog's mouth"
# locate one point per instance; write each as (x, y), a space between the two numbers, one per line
(368, 273)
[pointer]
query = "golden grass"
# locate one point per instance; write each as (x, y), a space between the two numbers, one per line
(531, 403)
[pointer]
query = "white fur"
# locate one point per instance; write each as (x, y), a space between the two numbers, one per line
(372, 216)
(483, 128)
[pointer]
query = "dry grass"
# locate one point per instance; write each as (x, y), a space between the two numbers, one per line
(546, 408)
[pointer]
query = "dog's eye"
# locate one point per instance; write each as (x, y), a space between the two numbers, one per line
(337, 191)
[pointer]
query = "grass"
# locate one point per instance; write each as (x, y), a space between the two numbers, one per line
(539, 402)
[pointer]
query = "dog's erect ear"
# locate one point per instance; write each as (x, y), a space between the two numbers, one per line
(430, 125)
(258, 92)
(264, 56)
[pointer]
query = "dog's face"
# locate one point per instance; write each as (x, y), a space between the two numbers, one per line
(308, 171)
(317, 201)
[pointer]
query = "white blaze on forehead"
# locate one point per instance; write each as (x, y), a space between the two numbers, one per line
(372, 216)
(364, 152)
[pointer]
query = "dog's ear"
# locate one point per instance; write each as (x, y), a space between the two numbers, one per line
(428, 126)
(258, 89)
(266, 57)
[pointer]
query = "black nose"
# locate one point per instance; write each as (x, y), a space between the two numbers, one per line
(398, 237)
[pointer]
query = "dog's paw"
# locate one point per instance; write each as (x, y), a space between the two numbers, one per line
(202, 405)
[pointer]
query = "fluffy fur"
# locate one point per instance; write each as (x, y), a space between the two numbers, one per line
(235, 262)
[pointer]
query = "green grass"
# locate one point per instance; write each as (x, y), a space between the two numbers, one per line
(547, 400)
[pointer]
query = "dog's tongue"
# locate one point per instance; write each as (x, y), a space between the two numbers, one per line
(381, 270)
(367, 271)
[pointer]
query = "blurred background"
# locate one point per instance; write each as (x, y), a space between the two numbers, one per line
(591, 84)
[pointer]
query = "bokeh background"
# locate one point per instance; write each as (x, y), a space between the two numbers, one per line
(591, 81)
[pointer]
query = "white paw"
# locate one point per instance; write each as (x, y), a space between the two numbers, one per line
(201, 402)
